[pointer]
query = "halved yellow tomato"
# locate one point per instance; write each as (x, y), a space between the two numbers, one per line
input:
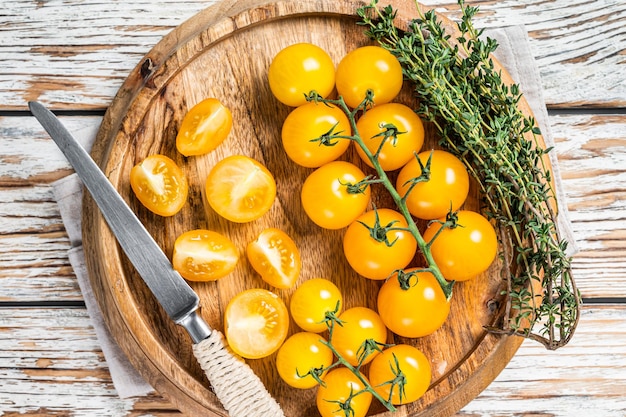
(204, 127)
(159, 184)
(204, 255)
(240, 189)
(256, 322)
(275, 256)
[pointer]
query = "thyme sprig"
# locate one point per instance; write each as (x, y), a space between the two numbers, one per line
(478, 118)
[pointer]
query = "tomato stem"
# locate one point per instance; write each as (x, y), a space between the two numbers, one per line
(383, 179)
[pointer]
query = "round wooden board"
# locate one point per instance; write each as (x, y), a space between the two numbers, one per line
(224, 52)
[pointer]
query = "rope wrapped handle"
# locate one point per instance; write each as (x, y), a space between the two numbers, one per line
(239, 389)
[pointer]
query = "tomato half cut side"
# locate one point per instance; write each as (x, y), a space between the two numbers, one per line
(256, 322)
(204, 255)
(275, 256)
(240, 189)
(204, 127)
(160, 185)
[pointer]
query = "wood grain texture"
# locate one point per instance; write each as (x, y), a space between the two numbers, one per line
(74, 54)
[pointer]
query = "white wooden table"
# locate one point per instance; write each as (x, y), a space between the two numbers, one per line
(74, 54)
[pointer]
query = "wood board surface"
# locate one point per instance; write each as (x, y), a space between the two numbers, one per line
(203, 58)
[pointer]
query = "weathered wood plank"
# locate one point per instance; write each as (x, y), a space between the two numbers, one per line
(51, 364)
(592, 155)
(591, 151)
(75, 54)
(585, 378)
(30, 157)
(579, 45)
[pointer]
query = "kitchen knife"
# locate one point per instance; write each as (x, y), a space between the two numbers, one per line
(240, 391)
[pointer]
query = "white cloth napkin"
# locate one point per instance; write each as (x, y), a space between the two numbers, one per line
(68, 192)
(515, 55)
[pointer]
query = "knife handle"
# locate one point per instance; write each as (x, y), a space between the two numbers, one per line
(239, 389)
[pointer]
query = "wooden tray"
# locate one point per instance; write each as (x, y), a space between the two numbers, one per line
(224, 52)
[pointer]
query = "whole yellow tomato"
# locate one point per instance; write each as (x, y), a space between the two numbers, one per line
(299, 69)
(404, 360)
(377, 243)
(338, 394)
(312, 301)
(412, 304)
(358, 325)
(333, 195)
(369, 68)
(301, 355)
(465, 251)
(397, 149)
(446, 189)
(307, 130)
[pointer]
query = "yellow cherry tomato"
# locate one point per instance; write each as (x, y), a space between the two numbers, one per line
(358, 325)
(303, 134)
(159, 184)
(465, 251)
(412, 305)
(404, 360)
(204, 255)
(446, 189)
(299, 69)
(332, 195)
(368, 68)
(398, 148)
(240, 189)
(312, 300)
(275, 256)
(340, 384)
(375, 253)
(302, 355)
(204, 127)
(256, 322)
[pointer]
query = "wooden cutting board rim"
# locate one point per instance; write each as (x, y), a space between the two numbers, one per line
(218, 22)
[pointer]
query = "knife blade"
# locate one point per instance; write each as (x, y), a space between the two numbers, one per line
(235, 384)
